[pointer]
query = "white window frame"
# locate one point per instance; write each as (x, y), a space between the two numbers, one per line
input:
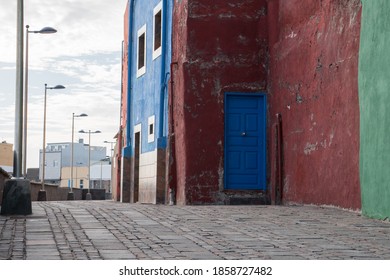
(151, 121)
(156, 10)
(141, 71)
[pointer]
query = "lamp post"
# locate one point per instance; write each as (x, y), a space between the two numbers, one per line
(70, 194)
(89, 197)
(42, 192)
(112, 170)
(18, 149)
(18, 198)
(45, 30)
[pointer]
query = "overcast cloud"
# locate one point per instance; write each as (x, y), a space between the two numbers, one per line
(84, 56)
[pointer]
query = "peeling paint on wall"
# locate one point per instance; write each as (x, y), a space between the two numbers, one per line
(304, 53)
(313, 84)
(213, 61)
(309, 148)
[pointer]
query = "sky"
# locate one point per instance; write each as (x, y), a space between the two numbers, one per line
(84, 56)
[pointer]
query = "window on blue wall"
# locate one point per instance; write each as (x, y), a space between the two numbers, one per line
(141, 51)
(151, 121)
(157, 30)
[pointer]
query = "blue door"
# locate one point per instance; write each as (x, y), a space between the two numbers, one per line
(245, 141)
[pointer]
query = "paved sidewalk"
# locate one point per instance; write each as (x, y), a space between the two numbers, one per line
(78, 230)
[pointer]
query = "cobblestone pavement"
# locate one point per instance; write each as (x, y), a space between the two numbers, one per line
(78, 230)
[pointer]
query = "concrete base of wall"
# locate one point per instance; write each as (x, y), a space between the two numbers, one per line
(150, 187)
(93, 194)
(55, 193)
(70, 196)
(42, 195)
(16, 198)
(245, 198)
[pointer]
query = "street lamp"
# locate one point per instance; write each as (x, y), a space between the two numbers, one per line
(42, 192)
(18, 145)
(18, 198)
(111, 159)
(45, 30)
(88, 197)
(70, 194)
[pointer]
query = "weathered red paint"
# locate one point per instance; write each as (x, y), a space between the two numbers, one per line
(220, 46)
(313, 84)
(125, 61)
(123, 110)
(304, 53)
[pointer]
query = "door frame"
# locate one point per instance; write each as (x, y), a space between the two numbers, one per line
(137, 161)
(261, 94)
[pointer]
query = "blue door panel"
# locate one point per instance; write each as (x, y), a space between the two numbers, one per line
(235, 160)
(243, 180)
(243, 141)
(235, 122)
(252, 122)
(251, 160)
(245, 147)
(239, 103)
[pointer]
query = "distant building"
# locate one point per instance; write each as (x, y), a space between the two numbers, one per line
(80, 176)
(58, 157)
(6, 157)
(100, 176)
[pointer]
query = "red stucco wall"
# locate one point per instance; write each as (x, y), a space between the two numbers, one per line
(125, 60)
(313, 83)
(220, 46)
(116, 182)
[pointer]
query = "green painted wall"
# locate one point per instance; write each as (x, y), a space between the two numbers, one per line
(374, 100)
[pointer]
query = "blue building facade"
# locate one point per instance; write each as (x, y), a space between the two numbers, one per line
(145, 137)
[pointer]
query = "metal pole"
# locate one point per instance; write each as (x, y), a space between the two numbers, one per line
(112, 170)
(19, 93)
(25, 108)
(71, 157)
(76, 175)
(89, 161)
(44, 142)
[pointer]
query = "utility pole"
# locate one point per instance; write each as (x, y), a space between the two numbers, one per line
(19, 93)
(17, 193)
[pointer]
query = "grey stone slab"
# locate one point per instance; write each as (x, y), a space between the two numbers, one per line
(32, 242)
(120, 254)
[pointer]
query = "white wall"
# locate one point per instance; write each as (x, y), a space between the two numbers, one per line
(148, 177)
(100, 171)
